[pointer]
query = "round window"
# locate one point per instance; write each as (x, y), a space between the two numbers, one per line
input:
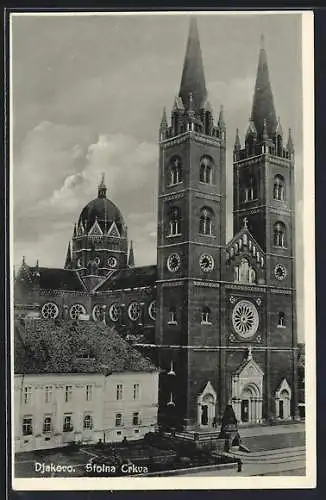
(134, 311)
(112, 261)
(76, 310)
(114, 312)
(245, 318)
(97, 313)
(50, 310)
(152, 310)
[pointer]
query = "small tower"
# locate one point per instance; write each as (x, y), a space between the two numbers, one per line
(131, 258)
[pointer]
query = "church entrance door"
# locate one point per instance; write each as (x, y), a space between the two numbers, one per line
(204, 415)
(245, 410)
(281, 409)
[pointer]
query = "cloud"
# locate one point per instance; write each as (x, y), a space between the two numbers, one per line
(58, 173)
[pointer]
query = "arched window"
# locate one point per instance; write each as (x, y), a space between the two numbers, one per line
(281, 319)
(205, 221)
(244, 273)
(250, 191)
(279, 237)
(88, 422)
(206, 170)
(175, 171)
(174, 221)
(279, 188)
(206, 315)
(172, 316)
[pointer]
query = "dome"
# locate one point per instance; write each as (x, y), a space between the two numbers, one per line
(103, 210)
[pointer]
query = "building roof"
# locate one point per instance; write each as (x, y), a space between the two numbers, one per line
(102, 210)
(52, 346)
(135, 277)
(58, 279)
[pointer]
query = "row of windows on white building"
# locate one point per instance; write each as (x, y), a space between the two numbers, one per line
(88, 422)
(68, 393)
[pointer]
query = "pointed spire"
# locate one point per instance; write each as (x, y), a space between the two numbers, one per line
(249, 353)
(237, 143)
(290, 145)
(193, 78)
(207, 106)
(263, 102)
(131, 258)
(68, 257)
(178, 104)
(265, 132)
(102, 187)
(221, 122)
(251, 130)
(75, 230)
(164, 122)
(279, 130)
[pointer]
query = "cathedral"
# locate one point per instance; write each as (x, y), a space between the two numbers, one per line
(217, 317)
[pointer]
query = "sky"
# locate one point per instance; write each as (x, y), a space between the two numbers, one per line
(87, 97)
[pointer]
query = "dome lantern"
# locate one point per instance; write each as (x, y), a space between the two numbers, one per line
(102, 188)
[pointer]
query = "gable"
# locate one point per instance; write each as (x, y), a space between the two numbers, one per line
(249, 369)
(114, 231)
(244, 244)
(95, 230)
(284, 386)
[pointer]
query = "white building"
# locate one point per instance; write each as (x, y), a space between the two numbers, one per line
(79, 382)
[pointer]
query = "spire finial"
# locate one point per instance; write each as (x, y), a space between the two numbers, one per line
(290, 145)
(131, 257)
(262, 41)
(249, 354)
(245, 222)
(221, 122)
(23, 261)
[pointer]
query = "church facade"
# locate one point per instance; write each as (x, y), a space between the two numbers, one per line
(217, 317)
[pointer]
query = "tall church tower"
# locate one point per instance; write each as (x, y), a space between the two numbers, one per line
(190, 243)
(264, 197)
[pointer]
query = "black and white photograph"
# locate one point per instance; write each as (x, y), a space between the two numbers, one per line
(162, 250)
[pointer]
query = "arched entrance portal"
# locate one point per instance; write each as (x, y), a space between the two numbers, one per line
(250, 404)
(247, 391)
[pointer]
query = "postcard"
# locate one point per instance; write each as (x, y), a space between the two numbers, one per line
(162, 250)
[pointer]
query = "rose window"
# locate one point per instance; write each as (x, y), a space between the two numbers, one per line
(114, 312)
(76, 310)
(245, 318)
(134, 311)
(152, 310)
(50, 310)
(97, 313)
